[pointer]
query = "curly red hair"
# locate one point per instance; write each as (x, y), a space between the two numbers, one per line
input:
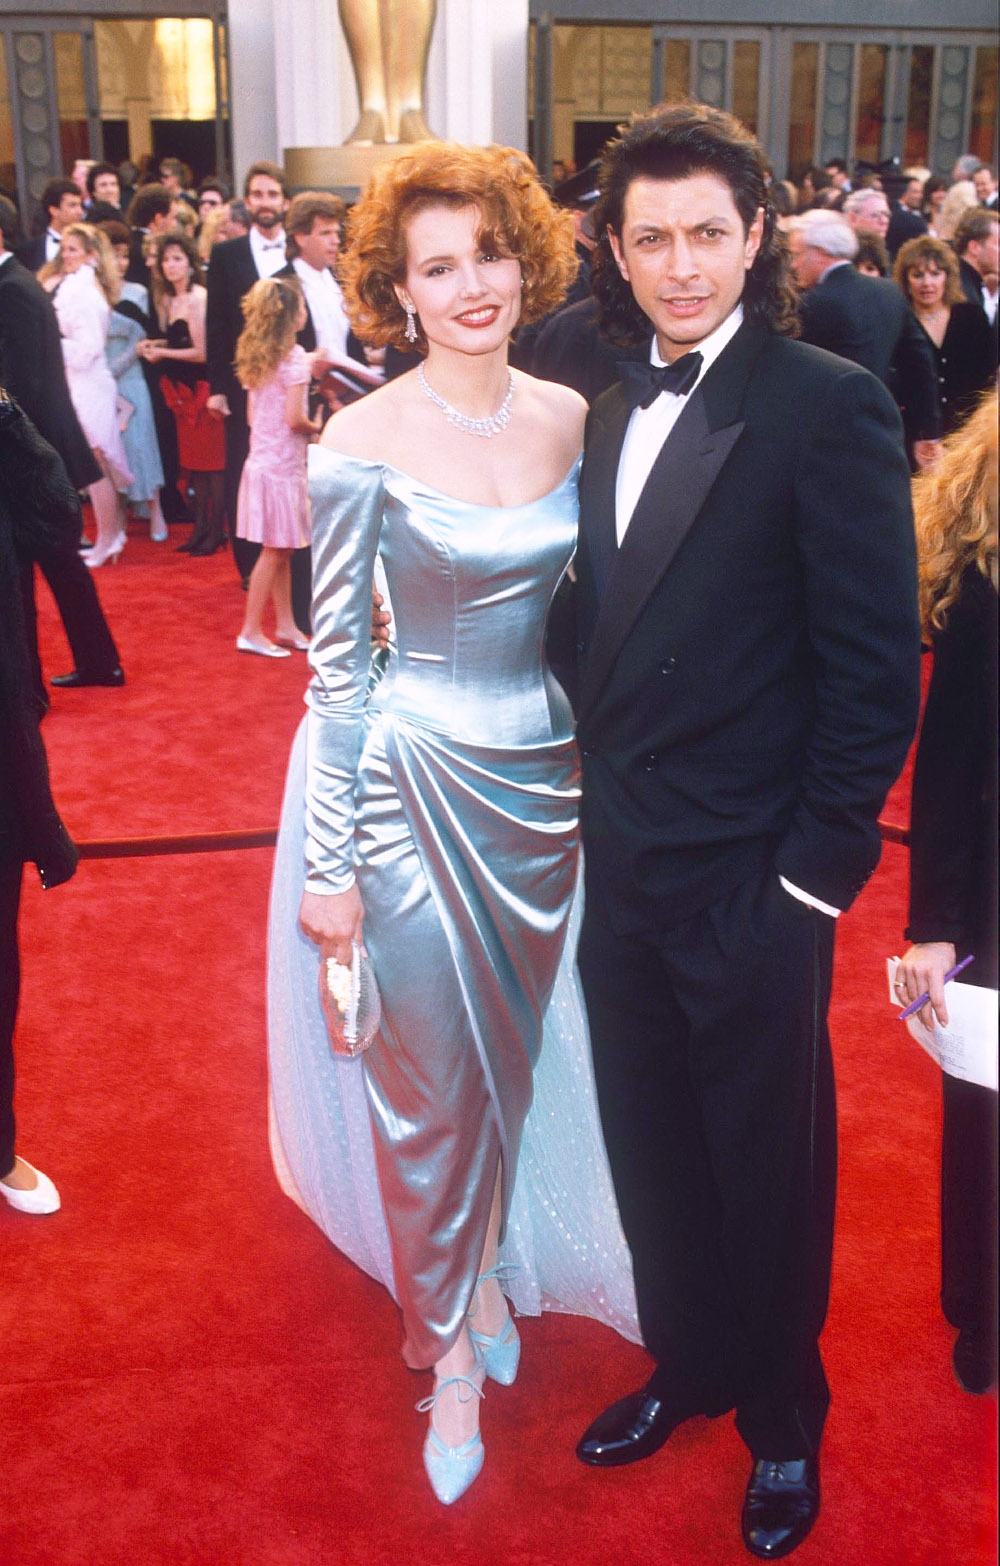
(518, 220)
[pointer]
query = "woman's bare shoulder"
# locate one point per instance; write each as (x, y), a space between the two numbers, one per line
(359, 429)
(552, 400)
(558, 412)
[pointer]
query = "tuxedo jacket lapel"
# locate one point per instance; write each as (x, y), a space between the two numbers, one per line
(598, 484)
(678, 485)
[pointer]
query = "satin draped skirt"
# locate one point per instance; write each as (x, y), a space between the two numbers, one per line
(466, 866)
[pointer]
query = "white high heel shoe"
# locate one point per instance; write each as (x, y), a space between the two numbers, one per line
(97, 556)
(451, 1469)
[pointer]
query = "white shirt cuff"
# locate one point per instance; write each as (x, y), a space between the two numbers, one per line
(804, 897)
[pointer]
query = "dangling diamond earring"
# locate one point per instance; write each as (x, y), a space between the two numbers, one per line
(411, 324)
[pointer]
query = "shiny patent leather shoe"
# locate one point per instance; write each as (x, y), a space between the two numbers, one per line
(781, 1505)
(629, 1430)
(74, 680)
(499, 1353)
(974, 1358)
(451, 1469)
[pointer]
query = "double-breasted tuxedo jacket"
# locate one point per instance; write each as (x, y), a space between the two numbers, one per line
(749, 655)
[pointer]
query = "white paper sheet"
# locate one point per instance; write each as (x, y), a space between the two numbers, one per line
(967, 1047)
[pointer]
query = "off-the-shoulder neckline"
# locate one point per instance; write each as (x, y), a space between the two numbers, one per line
(476, 505)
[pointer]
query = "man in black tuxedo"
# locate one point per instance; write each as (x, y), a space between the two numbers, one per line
(62, 204)
(32, 370)
(749, 686)
(867, 320)
(233, 268)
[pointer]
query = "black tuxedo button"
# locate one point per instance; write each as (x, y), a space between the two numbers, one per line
(650, 762)
(668, 665)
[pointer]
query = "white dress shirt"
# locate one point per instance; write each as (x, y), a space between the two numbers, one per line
(268, 254)
(647, 430)
(53, 244)
(649, 427)
(326, 306)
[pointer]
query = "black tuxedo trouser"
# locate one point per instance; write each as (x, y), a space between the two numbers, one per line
(72, 585)
(244, 552)
(969, 1207)
(715, 1080)
(10, 985)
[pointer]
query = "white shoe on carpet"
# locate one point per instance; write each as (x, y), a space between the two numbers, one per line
(42, 1198)
(268, 650)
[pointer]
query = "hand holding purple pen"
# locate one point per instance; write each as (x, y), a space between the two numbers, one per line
(922, 1000)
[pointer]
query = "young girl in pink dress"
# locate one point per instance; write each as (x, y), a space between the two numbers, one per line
(273, 505)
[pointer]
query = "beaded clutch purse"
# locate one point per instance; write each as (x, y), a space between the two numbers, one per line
(351, 1003)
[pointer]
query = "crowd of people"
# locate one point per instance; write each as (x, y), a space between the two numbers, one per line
(592, 403)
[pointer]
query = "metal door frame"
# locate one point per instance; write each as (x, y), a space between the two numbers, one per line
(31, 77)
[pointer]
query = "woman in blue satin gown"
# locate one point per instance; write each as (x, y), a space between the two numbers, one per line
(441, 809)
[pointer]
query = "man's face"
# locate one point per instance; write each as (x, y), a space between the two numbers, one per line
(808, 263)
(685, 253)
(69, 210)
(913, 195)
(984, 255)
(107, 188)
(838, 177)
(266, 202)
(873, 214)
(207, 202)
(985, 185)
(171, 179)
(319, 247)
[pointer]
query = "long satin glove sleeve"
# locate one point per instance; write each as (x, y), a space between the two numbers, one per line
(346, 498)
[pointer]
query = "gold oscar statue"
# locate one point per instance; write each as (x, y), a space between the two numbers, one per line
(389, 42)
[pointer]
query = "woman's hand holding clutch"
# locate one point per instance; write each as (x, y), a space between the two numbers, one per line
(334, 922)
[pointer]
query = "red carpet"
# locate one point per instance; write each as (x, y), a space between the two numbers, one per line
(190, 1374)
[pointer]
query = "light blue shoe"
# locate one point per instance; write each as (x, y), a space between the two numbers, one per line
(451, 1469)
(499, 1353)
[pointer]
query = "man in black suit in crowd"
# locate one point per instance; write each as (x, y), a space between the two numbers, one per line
(906, 221)
(62, 204)
(749, 686)
(32, 370)
(865, 319)
(978, 251)
(104, 186)
(985, 184)
(233, 268)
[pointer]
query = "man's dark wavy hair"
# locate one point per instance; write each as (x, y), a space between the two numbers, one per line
(673, 141)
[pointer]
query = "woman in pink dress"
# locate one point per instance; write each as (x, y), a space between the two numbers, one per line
(273, 504)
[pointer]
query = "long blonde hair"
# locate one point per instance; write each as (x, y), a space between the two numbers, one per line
(270, 311)
(955, 504)
(97, 246)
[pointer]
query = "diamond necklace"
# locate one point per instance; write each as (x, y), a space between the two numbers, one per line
(496, 422)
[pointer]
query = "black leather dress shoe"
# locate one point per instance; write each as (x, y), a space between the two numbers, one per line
(73, 680)
(627, 1431)
(781, 1505)
(975, 1360)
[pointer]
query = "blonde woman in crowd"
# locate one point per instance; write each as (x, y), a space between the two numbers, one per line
(84, 285)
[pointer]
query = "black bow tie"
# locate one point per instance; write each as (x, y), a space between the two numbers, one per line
(643, 383)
